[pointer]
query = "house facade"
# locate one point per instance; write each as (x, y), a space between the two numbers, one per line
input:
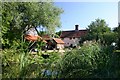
(55, 43)
(72, 37)
(59, 44)
(51, 43)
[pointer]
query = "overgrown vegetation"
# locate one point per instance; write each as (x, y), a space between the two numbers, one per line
(18, 16)
(94, 59)
(91, 61)
(98, 30)
(25, 65)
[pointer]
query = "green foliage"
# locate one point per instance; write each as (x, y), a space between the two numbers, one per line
(79, 63)
(92, 60)
(42, 33)
(109, 38)
(98, 30)
(57, 34)
(16, 16)
(117, 30)
(98, 26)
(17, 64)
(9, 58)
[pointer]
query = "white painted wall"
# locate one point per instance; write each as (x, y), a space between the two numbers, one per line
(72, 41)
(60, 46)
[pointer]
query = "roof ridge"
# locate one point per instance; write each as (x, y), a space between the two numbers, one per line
(73, 33)
(75, 30)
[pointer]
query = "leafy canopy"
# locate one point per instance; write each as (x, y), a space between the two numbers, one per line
(98, 30)
(16, 16)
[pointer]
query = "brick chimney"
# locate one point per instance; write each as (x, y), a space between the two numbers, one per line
(76, 27)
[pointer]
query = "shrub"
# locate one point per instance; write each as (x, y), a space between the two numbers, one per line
(89, 61)
(18, 64)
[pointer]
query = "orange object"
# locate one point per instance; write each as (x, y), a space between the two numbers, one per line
(58, 41)
(32, 38)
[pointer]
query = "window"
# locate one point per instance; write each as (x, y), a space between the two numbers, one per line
(70, 38)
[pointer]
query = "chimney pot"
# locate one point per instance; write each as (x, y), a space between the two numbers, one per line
(76, 27)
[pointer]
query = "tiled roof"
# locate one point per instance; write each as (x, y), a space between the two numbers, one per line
(73, 33)
(32, 38)
(57, 40)
(45, 37)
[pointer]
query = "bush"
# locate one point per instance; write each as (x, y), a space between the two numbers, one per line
(92, 60)
(10, 63)
(18, 64)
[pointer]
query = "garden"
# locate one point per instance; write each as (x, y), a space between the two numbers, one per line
(97, 56)
(92, 60)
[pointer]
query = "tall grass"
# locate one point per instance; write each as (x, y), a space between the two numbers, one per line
(92, 60)
(18, 64)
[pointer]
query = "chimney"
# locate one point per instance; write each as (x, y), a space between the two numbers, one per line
(76, 27)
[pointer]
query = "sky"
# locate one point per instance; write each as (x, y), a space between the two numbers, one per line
(119, 12)
(83, 13)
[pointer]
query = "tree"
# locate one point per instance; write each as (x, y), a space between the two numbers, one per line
(16, 16)
(57, 34)
(117, 30)
(92, 60)
(119, 36)
(109, 37)
(98, 30)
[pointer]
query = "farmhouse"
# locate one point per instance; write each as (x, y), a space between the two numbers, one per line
(72, 37)
(59, 44)
(53, 43)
